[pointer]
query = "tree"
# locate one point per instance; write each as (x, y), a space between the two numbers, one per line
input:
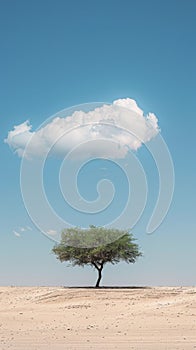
(96, 246)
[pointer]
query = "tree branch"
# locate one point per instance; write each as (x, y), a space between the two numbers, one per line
(98, 267)
(95, 265)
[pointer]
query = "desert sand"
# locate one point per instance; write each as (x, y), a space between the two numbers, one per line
(55, 318)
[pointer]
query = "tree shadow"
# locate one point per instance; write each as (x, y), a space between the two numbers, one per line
(107, 287)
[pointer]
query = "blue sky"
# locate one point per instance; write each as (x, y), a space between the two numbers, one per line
(56, 54)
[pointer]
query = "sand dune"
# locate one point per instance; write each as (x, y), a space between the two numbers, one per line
(40, 318)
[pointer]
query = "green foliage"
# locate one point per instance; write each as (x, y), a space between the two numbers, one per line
(96, 246)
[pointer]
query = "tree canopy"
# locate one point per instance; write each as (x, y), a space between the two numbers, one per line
(96, 246)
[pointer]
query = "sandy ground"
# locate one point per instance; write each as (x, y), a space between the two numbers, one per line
(49, 318)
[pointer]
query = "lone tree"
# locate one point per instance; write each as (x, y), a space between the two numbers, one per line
(96, 246)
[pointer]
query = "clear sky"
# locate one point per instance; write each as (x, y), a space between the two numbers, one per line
(57, 54)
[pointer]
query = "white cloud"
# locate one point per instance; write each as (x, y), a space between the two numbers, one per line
(122, 122)
(26, 228)
(20, 230)
(17, 234)
(51, 232)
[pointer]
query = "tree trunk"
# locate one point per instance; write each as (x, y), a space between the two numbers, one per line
(99, 277)
(99, 268)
